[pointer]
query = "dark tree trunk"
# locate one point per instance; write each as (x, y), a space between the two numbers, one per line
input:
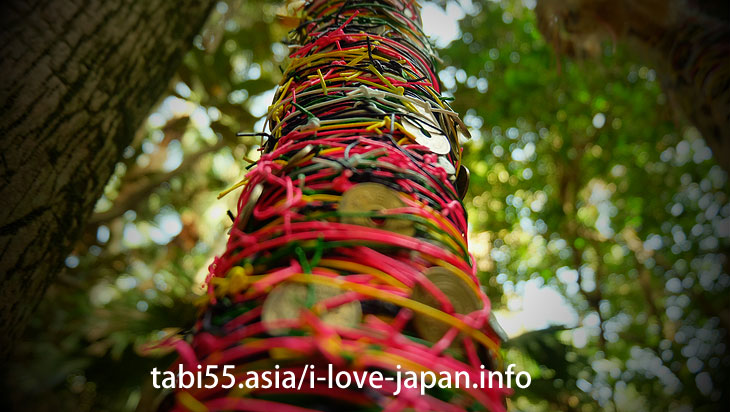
(687, 40)
(79, 77)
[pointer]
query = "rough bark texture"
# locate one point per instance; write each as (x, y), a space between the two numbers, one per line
(78, 78)
(687, 40)
(694, 59)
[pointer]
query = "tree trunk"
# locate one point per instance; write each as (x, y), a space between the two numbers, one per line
(689, 47)
(349, 248)
(79, 77)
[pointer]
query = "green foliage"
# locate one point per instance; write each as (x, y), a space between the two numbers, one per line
(583, 182)
(587, 184)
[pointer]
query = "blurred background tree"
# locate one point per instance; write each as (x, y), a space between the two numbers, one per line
(599, 219)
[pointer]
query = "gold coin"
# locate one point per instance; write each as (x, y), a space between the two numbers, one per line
(297, 158)
(446, 165)
(287, 301)
(463, 129)
(457, 291)
(436, 142)
(462, 181)
(247, 209)
(497, 328)
(374, 197)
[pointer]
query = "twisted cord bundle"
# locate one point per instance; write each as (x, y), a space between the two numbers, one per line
(349, 246)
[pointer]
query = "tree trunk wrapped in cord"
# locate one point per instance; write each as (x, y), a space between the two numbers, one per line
(349, 247)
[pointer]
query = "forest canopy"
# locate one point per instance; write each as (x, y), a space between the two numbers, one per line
(598, 217)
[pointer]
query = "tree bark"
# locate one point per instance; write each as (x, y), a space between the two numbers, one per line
(689, 47)
(79, 77)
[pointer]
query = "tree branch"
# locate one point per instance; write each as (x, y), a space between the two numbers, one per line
(131, 197)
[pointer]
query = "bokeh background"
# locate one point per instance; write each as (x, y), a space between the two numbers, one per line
(599, 219)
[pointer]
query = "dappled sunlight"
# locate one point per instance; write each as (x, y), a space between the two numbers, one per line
(599, 219)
